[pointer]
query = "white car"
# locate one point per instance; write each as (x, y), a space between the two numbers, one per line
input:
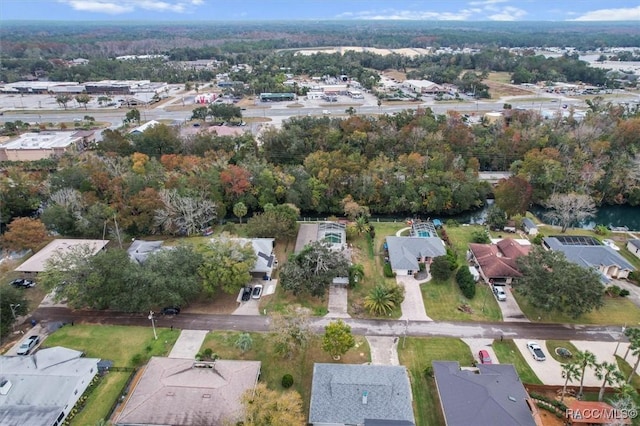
(536, 351)
(611, 244)
(501, 295)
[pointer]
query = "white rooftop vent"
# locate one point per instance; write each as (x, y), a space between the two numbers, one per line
(5, 386)
(365, 394)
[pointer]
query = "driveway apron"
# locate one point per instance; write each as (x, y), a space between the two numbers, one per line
(188, 344)
(384, 350)
(413, 305)
(338, 302)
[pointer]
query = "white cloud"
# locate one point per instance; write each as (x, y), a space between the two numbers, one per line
(486, 2)
(623, 14)
(407, 15)
(116, 7)
(508, 14)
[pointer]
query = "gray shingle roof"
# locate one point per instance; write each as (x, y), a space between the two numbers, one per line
(589, 255)
(43, 384)
(528, 223)
(337, 394)
(635, 243)
(139, 250)
(404, 251)
(495, 396)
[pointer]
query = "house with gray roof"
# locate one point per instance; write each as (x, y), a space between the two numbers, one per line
(139, 250)
(589, 253)
(634, 247)
(356, 394)
(265, 256)
(529, 227)
(490, 395)
(184, 392)
(42, 388)
(406, 253)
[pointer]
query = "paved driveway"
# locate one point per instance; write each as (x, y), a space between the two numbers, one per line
(550, 371)
(510, 310)
(413, 305)
(634, 291)
(384, 350)
(478, 344)
(188, 344)
(338, 302)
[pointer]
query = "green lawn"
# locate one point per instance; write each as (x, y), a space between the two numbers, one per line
(274, 366)
(553, 344)
(441, 300)
(508, 353)
(124, 345)
(417, 354)
(102, 399)
(119, 344)
(616, 311)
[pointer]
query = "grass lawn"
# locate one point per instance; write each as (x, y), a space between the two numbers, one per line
(508, 353)
(553, 344)
(371, 257)
(441, 300)
(120, 344)
(417, 354)
(626, 368)
(102, 399)
(616, 311)
(274, 366)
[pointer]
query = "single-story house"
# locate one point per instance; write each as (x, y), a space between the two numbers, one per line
(38, 261)
(182, 392)
(407, 253)
(331, 233)
(529, 227)
(265, 256)
(143, 127)
(139, 250)
(595, 413)
(357, 394)
(41, 389)
(491, 395)
(634, 247)
(590, 253)
(496, 262)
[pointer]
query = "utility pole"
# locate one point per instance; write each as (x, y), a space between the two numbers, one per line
(153, 324)
(13, 312)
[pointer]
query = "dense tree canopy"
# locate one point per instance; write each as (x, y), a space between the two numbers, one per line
(226, 264)
(552, 283)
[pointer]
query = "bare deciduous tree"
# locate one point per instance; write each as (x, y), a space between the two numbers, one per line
(69, 198)
(183, 215)
(290, 331)
(570, 208)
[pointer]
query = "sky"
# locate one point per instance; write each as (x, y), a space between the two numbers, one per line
(261, 10)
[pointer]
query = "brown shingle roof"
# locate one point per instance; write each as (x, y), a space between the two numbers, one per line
(499, 260)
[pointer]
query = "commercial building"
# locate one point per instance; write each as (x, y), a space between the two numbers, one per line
(37, 146)
(38, 261)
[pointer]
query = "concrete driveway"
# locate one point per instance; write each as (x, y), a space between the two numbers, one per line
(511, 312)
(188, 344)
(38, 330)
(550, 371)
(476, 345)
(413, 305)
(338, 302)
(384, 350)
(634, 291)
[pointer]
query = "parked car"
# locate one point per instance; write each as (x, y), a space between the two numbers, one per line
(611, 244)
(246, 293)
(28, 344)
(501, 295)
(484, 357)
(257, 291)
(171, 310)
(23, 282)
(536, 351)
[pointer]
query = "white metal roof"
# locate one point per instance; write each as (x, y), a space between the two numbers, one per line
(37, 262)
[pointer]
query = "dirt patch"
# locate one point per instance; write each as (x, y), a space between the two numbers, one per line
(221, 303)
(395, 74)
(498, 89)
(549, 419)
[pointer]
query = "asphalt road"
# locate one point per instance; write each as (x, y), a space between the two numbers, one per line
(521, 330)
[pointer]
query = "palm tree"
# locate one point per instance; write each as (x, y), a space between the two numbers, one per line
(244, 342)
(634, 345)
(362, 225)
(570, 372)
(584, 359)
(609, 374)
(380, 300)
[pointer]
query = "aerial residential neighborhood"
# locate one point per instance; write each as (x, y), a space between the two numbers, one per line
(319, 213)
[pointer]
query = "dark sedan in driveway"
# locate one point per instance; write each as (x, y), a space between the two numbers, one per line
(23, 282)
